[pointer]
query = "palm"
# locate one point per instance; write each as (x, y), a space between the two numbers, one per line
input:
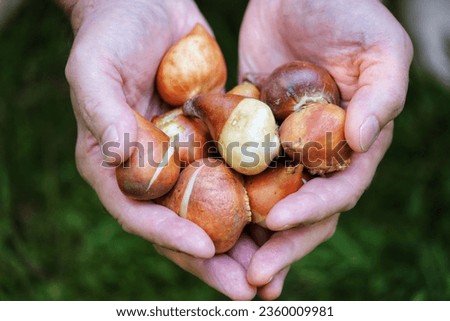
(111, 71)
(129, 50)
(127, 54)
(368, 53)
(348, 43)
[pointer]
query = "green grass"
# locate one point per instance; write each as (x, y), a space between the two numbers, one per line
(58, 243)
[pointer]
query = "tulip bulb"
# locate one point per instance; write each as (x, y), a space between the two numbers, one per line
(271, 186)
(293, 85)
(152, 169)
(244, 129)
(212, 196)
(245, 89)
(190, 135)
(192, 66)
(314, 136)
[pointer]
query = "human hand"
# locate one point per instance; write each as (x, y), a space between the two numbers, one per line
(368, 53)
(429, 26)
(111, 70)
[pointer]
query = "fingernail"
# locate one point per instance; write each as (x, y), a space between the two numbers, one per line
(270, 280)
(368, 132)
(286, 227)
(110, 141)
(289, 226)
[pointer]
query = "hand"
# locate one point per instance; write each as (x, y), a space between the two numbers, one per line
(368, 53)
(429, 26)
(111, 70)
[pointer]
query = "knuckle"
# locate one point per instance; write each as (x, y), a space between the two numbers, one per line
(124, 225)
(74, 61)
(397, 101)
(331, 229)
(352, 201)
(91, 111)
(80, 162)
(357, 190)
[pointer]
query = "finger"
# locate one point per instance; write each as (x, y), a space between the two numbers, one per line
(221, 272)
(243, 253)
(98, 98)
(321, 197)
(256, 53)
(380, 97)
(273, 289)
(111, 70)
(154, 223)
(243, 250)
(287, 247)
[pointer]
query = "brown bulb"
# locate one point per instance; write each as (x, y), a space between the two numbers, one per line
(245, 89)
(192, 66)
(295, 84)
(271, 186)
(212, 196)
(244, 129)
(190, 135)
(152, 170)
(314, 136)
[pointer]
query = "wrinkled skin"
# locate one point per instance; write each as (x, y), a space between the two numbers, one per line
(112, 68)
(368, 53)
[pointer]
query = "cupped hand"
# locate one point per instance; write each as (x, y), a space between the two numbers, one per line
(368, 53)
(111, 70)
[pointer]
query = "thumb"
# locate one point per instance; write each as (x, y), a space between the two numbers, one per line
(98, 100)
(378, 100)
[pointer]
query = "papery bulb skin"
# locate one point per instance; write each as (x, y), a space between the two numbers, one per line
(246, 89)
(192, 66)
(271, 186)
(293, 85)
(152, 168)
(190, 135)
(315, 137)
(211, 195)
(244, 129)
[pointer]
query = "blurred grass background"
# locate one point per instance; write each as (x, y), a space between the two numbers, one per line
(58, 243)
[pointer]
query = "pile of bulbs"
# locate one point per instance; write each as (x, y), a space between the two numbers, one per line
(217, 158)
